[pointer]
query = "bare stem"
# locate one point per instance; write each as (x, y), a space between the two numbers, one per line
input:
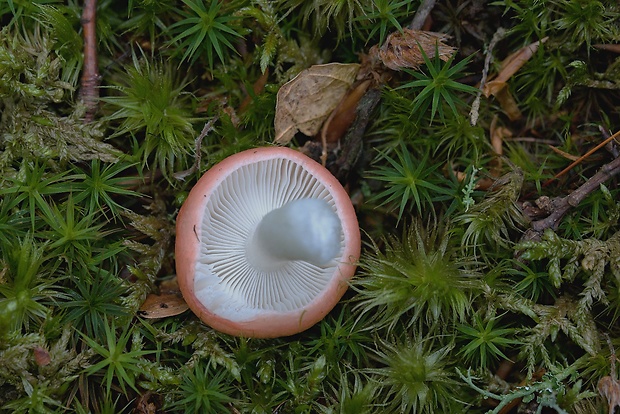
(89, 92)
(420, 16)
(499, 35)
(181, 175)
(563, 204)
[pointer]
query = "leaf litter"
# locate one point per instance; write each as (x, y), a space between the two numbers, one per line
(321, 92)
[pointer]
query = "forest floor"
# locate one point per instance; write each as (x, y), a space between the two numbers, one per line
(478, 142)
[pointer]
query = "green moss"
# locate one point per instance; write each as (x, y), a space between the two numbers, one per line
(87, 210)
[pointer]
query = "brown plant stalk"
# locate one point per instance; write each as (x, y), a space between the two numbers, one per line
(563, 204)
(89, 92)
(583, 157)
(422, 14)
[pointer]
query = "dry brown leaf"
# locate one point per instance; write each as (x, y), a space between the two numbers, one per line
(498, 137)
(401, 50)
(169, 302)
(514, 62)
(493, 87)
(505, 98)
(564, 154)
(343, 115)
(499, 134)
(610, 48)
(162, 306)
(511, 65)
(305, 102)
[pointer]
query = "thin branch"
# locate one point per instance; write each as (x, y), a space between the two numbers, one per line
(422, 14)
(475, 107)
(89, 92)
(562, 205)
(611, 146)
(583, 157)
(181, 175)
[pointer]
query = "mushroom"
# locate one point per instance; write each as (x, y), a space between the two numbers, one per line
(266, 243)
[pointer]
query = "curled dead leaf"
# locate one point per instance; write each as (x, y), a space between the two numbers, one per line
(162, 306)
(169, 302)
(498, 87)
(401, 50)
(504, 97)
(305, 102)
(515, 61)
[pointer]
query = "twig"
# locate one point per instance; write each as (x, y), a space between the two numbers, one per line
(611, 146)
(181, 175)
(89, 92)
(422, 14)
(475, 107)
(583, 157)
(563, 204)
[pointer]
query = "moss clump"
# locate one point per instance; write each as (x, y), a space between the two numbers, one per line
(440, 305)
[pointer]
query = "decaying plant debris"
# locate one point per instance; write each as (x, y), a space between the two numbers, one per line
(478, 142)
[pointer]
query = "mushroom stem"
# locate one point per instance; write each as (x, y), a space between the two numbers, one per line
(306, 229)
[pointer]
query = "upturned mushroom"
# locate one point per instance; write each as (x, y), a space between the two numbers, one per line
(266, 243)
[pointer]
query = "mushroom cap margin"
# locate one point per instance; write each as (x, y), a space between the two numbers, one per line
(269, 324)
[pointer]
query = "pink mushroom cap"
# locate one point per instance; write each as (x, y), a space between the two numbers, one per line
(218, 220)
